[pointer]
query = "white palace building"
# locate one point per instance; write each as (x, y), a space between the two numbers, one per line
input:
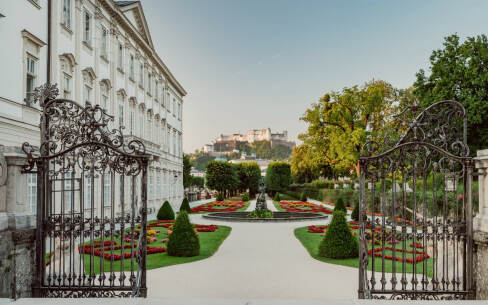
(101, 52)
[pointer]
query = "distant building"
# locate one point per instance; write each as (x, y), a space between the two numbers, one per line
(226, 144)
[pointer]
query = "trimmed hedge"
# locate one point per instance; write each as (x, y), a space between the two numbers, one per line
(355, 212)
(220, 197)
(245, 197)
(184, 240)
(339, 241)
(303, 197)
(277, 197)
(185, 206)
(340, 206)
(166, 212)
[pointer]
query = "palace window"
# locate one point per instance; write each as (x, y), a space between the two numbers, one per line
(104, 50)
(141, 75)
(105, 100)
(66, 86)
(66, 13)
(131, 73)
(88, 94)
(149, 82)
(87, 32)
(32, 192)
(30, 79)
(121, 111)
(121, 57)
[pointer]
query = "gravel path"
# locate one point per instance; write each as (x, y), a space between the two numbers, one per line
(256, 261)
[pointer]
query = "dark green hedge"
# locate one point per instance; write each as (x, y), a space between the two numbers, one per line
(184, 240)
(166, 212)
(339, 241)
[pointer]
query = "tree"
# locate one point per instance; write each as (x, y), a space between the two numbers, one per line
(263, 149)
(340, 206)
(278, 176)
(200, 161)
(166, 212)
(280, 152)
(341, 122)
(459, 71)
(183, 241)
(185, 206)
(197, 181)
(355, 212)
(339, 241)
(305, 166)
(221, 176)
(186, 171)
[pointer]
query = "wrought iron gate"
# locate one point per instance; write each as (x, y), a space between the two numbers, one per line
(416, 208)
(91, 234)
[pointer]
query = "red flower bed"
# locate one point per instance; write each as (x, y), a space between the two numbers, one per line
(333, 204)
(321, 229)
(95, 250)
(219, 206)
(416, 259)
(168, 223)
(304, 207)
(416, 245)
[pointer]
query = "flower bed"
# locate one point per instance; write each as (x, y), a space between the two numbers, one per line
(333, 204)
(377, 252)
(220, 206)
(169, 223)
(98, 249)
(305, 207)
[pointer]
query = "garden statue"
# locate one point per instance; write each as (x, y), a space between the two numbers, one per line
(261, 201)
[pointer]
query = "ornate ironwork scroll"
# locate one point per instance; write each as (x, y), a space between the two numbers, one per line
(91, 231)
(416, 208)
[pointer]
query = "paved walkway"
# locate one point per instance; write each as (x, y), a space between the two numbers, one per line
(256, 261)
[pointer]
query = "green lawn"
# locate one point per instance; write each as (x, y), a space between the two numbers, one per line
(209, 244)
(278, 206)
(311, 242)
(287, 197)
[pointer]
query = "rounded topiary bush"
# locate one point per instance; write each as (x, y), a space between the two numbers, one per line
(245, 197)
(338, 241)
(340, 206)
(185, 206)
(166, 212)
(303, 197)
(277, 197)
(220, 197)
(184, 240)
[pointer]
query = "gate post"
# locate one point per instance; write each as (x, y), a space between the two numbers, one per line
(17, 227)
(481, 228)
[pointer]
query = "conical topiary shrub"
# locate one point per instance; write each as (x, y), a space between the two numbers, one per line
(185, 206)
(166, 212)
(303, 197)
(339, 241)
(355, 212)
(245, 197)
(277, 197)
(340, 206)
(219, 197)
(183, 241)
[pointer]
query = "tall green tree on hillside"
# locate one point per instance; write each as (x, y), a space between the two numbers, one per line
(280, 152)
(263, 149)
(459, 71)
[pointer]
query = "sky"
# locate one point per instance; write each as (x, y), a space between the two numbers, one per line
(253, 64)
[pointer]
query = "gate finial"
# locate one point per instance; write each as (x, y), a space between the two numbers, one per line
(45, 92)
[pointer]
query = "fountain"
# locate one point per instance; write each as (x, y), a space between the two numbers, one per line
(261, 206)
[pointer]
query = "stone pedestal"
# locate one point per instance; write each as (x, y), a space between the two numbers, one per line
(480, 226)
(17, 227)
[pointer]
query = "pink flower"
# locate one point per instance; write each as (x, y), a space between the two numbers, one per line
(460, 197)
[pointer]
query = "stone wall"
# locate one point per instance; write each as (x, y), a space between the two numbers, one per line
(17, 227)
(480, 227)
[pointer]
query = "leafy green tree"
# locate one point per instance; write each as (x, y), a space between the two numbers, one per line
(197, 181)
(263, 149)
(166, 212)
(459, 71)
(184, 240)
(339, 241)
(341, 122)
(278, 176)
(280, 152)
(200, 161)
(305, 164)
(186, 171)
(221, 176)
(303, 197)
